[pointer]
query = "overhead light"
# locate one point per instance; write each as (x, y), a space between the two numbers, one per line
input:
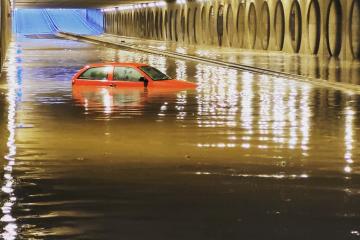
(160, 4)
(109, 9)
(180, 1)
(138, 6)
(126, 7)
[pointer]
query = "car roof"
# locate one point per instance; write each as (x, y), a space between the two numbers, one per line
(129, 64)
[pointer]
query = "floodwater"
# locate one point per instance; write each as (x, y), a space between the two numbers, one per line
(327, 69)
(244, 156)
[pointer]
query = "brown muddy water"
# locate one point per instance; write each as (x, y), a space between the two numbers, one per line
(244, 156)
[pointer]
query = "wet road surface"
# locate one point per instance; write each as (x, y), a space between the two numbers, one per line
(244, 156)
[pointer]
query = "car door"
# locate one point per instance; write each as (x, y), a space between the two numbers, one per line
(98, 76)
(126, 76)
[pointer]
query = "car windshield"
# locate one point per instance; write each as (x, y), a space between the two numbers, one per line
(154, 73)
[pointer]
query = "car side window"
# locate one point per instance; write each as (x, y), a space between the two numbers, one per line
(126, 74)
(96, 73)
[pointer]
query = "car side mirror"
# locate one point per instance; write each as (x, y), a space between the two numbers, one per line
(143, 79)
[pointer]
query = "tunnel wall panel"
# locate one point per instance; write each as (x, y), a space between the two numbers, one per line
(328, 28)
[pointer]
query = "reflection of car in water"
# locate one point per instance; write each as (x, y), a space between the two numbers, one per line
(102, 98)
(122, 75)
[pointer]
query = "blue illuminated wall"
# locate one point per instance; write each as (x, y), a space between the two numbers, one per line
(95, 16)
(46, 21)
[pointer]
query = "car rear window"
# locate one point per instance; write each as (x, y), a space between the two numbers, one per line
(96, 73)
(154, 73)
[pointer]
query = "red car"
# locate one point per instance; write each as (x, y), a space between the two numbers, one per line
(127, 75)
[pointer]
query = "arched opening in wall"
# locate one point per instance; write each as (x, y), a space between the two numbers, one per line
(176, 25)
(135, 19)
(108, 22)
(131, 22)
(203, 25)
(188, 25)
(116, 28)
(354, 29)
(194, 26)
(265, 26)
(279, 25)
(334, 28)
(313, 22)
(117, 23)
(135, 22)
(147, 20)
(114, 20)
(161, 24)
(125, 23)
(143, 24)
(128, 20)
(166, 25)
(147, 24)
(230, 25)
(122, 17)
(152, 25)
(295, 26)
(105, 21)
(182, 24)
(171, 25)
(156, 24)
(252, 25)
(212, 24)
(112, 23)
(220, 24)
(240, 24)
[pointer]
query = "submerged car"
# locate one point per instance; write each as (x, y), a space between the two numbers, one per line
(127, 75)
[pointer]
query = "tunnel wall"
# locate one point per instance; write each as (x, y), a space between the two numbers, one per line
(5, 28)
(95, 16)
(320, 27)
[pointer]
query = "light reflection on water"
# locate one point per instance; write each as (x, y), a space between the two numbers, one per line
(349, 138)
(8, 186)
(123, 154)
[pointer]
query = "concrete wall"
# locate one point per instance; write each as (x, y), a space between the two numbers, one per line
(5, 28)
(321, 27)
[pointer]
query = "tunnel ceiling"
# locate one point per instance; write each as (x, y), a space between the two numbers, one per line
(73, 3)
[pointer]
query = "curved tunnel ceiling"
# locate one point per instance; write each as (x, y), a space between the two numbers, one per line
(74, 3)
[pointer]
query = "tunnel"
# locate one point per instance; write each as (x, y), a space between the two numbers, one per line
(180, 119)
(327, 28)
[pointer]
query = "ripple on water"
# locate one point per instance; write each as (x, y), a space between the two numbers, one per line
(107, 163)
